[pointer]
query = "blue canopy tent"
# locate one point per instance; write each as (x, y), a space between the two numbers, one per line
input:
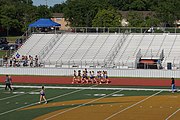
(44, 23)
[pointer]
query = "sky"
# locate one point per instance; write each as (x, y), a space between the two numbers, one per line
(49, 2)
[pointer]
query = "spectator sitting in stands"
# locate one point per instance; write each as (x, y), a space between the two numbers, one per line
(31, 61)
(36, 61)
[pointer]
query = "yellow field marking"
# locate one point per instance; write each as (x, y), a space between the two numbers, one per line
(106, 102)
(81, 105)
(156, 108)
(111, 116)
(169, 117)
(97, 112)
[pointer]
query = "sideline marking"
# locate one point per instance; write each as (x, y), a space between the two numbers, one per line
(81, 105)
(1, 88)
(38, 103)
(172, 114)
(90, 88)
(131, 106)
(17, 95)
(100, 95)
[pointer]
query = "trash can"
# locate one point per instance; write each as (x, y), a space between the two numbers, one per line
(169, 66)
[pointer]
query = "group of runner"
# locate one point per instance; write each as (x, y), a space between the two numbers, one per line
(89, 77)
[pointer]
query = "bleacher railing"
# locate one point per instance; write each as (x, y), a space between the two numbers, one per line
(116, 50)
(49, 46)
(123, 30)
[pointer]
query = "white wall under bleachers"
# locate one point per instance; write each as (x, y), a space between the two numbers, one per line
(111, 72)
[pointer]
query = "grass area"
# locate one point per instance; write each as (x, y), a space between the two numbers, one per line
(12, 39)
(2, 53)
(22, 97)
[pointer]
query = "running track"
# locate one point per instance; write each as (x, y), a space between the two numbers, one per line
(114, 81)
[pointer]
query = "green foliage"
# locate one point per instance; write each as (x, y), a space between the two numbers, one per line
(58, 8)
(138, 20)
(43, 12)
(151, 21)
(80, 13)
(16, 15)
(168, 11)
(107, 18)
(137, 5)
(135, 19)
(2, 53)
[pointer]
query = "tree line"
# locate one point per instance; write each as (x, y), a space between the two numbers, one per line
(16, 15)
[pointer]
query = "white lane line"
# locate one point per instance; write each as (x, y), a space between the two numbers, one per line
(38, 103)
(172, 114)
(17, 95)
(2, 88)
(111, 116)
(81, 105)
(90, 88)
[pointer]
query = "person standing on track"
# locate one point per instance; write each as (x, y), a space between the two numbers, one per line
(173, 87)
(10, 79)
(8, 83)
(42, 95)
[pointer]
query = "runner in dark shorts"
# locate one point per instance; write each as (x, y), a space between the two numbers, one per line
(42, 95)
(75, 77)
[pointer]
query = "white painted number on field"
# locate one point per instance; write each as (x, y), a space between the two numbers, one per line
(116, 95)
(96, 95)
(18, 92)
(99, 94)
(31, 93)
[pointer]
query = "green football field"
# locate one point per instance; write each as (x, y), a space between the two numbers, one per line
(13, 104)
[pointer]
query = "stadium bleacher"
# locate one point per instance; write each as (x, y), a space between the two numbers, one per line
(94, 49)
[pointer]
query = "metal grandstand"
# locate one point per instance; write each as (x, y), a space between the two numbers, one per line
(105, 47)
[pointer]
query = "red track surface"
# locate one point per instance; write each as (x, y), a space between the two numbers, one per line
(114, 81)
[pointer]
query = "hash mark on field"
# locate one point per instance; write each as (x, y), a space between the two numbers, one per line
(131, 106)
(80, 105)
(24, 93)
(38, 103)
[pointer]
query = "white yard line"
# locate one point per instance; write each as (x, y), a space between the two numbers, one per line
(172, 114)
(10, 97)
(17, 95)
(1, 88)
(111, 116)
(90, 88)
(81, 105)
(38, 103)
